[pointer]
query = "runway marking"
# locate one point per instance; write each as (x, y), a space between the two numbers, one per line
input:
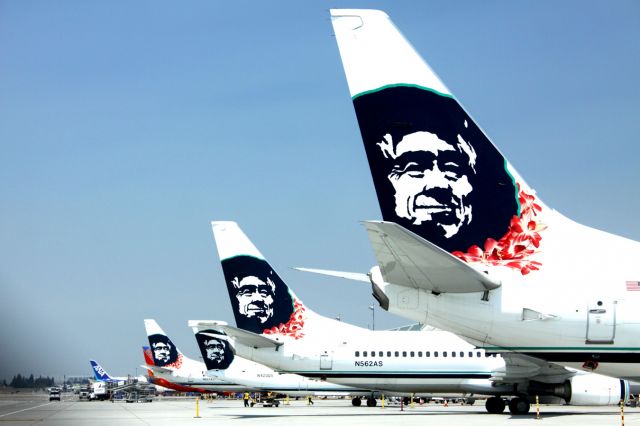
(20, 411)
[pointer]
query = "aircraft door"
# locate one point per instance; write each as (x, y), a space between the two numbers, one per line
(601, 322)
(326, 361)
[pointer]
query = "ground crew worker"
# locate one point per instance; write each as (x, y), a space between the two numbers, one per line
(309, 400)
(246, 397)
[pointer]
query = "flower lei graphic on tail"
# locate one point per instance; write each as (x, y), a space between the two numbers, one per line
(520, 242)
(177, 363)
(294, 326)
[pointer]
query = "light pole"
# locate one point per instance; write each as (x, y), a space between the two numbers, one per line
(373, 317)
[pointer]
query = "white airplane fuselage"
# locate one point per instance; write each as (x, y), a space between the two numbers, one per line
(192, 373)
(262, 377)
(402, 362)
(244, 375)
(575, 311)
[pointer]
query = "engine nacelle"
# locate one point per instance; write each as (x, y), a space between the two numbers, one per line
(584, 389)
(594, 389)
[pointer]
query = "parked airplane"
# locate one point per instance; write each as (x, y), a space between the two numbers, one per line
(466, 245)
(218, 354)
(101, 375)
(161, 378)
(276, 328)
(172, 369)
(222, 371)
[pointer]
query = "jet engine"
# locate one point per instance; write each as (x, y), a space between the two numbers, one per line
(585, 389)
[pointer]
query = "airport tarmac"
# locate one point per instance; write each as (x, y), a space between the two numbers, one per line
(25, 410)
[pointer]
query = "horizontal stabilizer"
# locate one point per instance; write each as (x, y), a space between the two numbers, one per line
(409, 260)
(156, 369)
(243, 337)
(354, 276)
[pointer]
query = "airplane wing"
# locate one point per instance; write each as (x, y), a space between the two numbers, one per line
(522, 367)
(409, 260)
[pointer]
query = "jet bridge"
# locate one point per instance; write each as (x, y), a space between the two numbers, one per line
(133, 391)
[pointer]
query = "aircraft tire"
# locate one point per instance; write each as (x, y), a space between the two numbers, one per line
(371, 402)
(356, 402)
(495, 405)
(519, 406)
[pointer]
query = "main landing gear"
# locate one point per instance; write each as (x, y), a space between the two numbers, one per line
(371, 401)
(517, 405)
(495, 405)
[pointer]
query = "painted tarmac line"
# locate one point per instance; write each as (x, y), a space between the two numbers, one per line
(25, 409)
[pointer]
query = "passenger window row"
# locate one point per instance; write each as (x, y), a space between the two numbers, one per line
(419, 354)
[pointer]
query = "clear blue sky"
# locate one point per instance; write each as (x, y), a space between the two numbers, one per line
(125, 127)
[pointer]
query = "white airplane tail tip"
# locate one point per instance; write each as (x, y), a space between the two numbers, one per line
(375, 54)
(232, 242)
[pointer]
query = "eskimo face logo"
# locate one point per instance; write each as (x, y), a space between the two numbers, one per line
(255, 297)
(259, 298)
(216, 353)
(162, 349)
(215, 349)
(430, 178)
(434, 170)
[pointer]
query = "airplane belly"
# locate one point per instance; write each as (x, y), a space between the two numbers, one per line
(626, 371)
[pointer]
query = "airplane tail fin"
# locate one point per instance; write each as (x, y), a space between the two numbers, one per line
(164, 353)
(215, 348)
(99, 373)
(262, 303)
(435, 171)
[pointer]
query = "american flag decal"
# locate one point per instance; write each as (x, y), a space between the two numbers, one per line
(633, 285)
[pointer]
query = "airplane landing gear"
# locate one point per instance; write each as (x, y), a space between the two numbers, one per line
(356, 402)
(495, 405)
(519, 406)
(371, 402)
